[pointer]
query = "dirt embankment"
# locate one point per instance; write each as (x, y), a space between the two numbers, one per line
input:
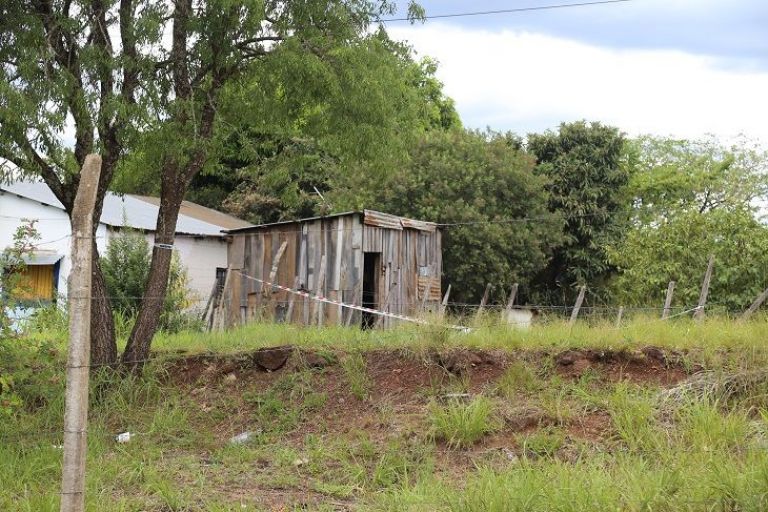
(403, 382)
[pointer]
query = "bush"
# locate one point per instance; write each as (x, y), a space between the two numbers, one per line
(126, 270)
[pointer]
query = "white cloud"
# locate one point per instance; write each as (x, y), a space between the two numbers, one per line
(528, 82)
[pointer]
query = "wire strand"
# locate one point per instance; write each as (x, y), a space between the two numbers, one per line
(509, 11)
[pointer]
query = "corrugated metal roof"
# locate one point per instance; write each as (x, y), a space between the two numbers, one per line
(41, 257)
(382, 220)
(119, 210)
(286, 222)
(370, 217)
(202, 213)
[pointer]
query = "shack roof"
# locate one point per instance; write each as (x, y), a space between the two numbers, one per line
(369, 217)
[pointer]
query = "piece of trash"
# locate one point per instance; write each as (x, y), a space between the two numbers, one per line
(123, 437)
(242, 438)
(511, 456)
(300, 462)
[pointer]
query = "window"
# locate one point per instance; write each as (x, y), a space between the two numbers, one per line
(36, 283)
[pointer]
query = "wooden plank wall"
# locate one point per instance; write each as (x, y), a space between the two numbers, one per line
(339, 239)
(406, 253)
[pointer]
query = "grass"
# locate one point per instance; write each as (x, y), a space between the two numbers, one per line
(461, 424)
(356, 375)
(332, 439)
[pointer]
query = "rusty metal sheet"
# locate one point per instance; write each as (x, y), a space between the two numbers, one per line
(382, 220)
(421, 225)
(435, 294)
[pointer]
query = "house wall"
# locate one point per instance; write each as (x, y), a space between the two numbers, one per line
(412, 266)
(53, 226)
(339, 239)
(199, 255)
(410, 259)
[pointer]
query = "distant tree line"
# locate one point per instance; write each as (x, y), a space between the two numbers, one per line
(582, 204)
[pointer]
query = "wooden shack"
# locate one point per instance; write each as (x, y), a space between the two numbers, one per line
(370, 259)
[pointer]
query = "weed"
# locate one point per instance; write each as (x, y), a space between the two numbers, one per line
(517, 378)
(543, 443)
(463, 424)
(356, 375)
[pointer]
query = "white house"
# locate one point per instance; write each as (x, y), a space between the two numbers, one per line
(200, 243)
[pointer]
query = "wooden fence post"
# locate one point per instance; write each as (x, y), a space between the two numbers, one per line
(444, 304)
(319, 292)
(619, 316)
(699, 313)
(510, 302)
(755, 305)
(78, 351)
(291, 300)
(668, 300)
(484, 300)
(577, 306)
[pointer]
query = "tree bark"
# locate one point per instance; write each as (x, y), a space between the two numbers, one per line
(137, 349)
(103, 339)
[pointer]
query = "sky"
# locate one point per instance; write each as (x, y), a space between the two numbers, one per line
(682, 68)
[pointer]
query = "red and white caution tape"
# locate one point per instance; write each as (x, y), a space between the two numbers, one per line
(326, 300)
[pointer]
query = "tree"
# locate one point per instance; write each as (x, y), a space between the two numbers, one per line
(482, 185)
(148, 73)
(692, 199)
(278, 157)
(126, 267)
(678, 175)
(677, 249)
(587, 176)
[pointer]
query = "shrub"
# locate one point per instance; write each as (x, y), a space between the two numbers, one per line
(126, 270)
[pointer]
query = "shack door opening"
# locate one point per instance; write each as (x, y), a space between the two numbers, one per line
(371, 273)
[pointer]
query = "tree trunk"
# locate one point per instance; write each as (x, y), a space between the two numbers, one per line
(137, 349)
(103, 339)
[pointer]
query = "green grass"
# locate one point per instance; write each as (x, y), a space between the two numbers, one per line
(356, 375)
(462, 424)
(381, 453)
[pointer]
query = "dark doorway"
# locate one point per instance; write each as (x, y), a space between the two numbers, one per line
(371, 274)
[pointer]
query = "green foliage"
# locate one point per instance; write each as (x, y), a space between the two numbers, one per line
(11, 264)
(27, 376)
(585, 166)
(518, 378)
(146, 85)
(355, 109)
(692, 199)
(673, 176)
(678, 249)
(356, 375)
(544, 443)
(126, 268)
(483, 182)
